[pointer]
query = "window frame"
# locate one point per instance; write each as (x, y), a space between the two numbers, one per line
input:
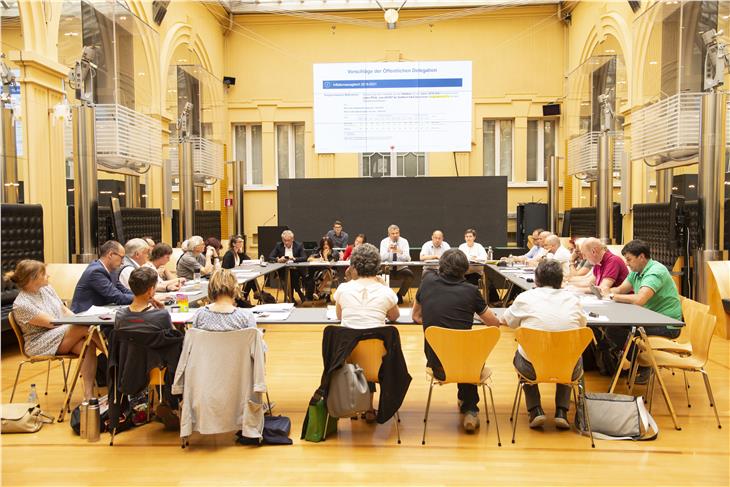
(541, 161)
(249, 153)
(291, 147)
(393, 160)
(498, 147)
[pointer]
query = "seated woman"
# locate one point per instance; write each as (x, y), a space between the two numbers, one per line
(34, 308)
(233, 258)
(222, 314)
(476, 254)
(359, 240)
(213, 249)
(323, 278)
(365, 302)
(193, 261)
(159, 257)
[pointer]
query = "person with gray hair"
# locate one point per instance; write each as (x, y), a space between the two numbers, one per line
(549, 308)
(137, 254)
(289, 250)
(394, 248)
(447, 300)
(193, 261)
(555, 251)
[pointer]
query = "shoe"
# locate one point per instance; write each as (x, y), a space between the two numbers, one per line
(561, 419)
(642, 377)
(537, 417)
(471, 421)
(168, 417)
(370, 416)
(400, 299)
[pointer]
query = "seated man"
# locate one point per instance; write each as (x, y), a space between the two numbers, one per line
(580, 267)
(393, 248)
(137, 254)
(649, 284)
(289, 250)
(143, 283)
(546, 307)
(433, 249)
(555, 251)
(99, 284)
(446, 299)
(534, 251)
(338, 236)
(609, 270)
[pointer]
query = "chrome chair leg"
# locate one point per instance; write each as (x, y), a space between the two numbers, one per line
(486, 409)
(514, 403)
(494, 410)
(397, 427)
(425, 417)
(711, 396)
(582, 392)
(517, 410)
(48, 376)
(17, 376)
(686, 387)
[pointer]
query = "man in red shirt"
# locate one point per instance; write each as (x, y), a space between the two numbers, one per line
(609, 270)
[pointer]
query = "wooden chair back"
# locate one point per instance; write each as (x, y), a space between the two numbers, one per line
(462, 353)
(64, 277)
(368, 354)
(553, 354)
(18, 334)
(702, 330)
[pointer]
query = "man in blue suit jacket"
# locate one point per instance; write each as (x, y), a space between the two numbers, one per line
(289, 250)
(99, 284)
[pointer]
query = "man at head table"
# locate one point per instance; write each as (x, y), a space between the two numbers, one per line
(395, 248)
(338, 236)
(289, 250)
(434, 249)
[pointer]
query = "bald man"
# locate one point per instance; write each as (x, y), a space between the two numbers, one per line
(609, 270)
(555, 251)
(537, 251)
(433, 249)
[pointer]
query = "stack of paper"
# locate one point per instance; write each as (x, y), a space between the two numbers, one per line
(272, 312)
(332, 313)
(97, 310)
(183, 317)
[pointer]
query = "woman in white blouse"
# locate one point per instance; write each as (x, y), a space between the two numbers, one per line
(476, 255)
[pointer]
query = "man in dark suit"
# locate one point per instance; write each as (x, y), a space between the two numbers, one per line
(99, 284)
(289, 250)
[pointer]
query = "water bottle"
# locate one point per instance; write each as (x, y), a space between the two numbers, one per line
(490, 253)
(93, 421)
(33, 395)
(83, 410)
(262, 261)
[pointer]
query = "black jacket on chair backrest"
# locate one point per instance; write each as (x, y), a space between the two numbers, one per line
(338, 342)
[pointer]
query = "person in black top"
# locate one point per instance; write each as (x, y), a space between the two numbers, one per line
(447, 300)
(289, 250)
(233, 258)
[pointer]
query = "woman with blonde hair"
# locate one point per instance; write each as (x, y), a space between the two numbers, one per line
(222, 314)
(36, 305)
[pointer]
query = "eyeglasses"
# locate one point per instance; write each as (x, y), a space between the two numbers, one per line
(117, 253)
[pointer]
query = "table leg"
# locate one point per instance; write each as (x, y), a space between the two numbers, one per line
(94, 330)
(624, 354)
(289, 289)
(658, 376)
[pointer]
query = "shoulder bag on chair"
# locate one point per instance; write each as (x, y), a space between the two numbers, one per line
(617, 417)
(348, 392)
(23, 417)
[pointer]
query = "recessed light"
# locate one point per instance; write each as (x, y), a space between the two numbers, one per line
(691, 186)
(71, 34)
(182, 60)
(140, 73)
(123, 17)
(653, 63)
(610, 51)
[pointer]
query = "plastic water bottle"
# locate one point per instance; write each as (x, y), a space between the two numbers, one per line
(83, 410)
(490, 253)
(33, 395)
(93, 421)
(262, 261)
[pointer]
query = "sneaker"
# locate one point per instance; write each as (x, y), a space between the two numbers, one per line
(561, 419)
(537, 417)
(471, 421)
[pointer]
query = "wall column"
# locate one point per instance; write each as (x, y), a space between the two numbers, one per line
(43, 169)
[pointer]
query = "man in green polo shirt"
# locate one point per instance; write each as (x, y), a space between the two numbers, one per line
(649, 284)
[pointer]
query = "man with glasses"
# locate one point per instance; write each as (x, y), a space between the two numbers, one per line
(137, 253)
(99, 284)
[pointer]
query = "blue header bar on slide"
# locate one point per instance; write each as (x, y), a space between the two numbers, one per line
(391, 83)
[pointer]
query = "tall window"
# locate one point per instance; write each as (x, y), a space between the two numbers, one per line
(498, 148)
(290, 150)
(247, 148)
(385, 164)
(541, 137)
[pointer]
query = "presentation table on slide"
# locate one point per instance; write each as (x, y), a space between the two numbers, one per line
(393, 107)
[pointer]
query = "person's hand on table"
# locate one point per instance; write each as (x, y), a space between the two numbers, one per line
(281, 260)
(157, 304)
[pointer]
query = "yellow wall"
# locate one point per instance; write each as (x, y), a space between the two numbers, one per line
(272, 57)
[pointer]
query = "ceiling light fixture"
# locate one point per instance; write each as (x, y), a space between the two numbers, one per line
(391, 14)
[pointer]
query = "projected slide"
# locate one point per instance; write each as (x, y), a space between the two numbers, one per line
(384, 107)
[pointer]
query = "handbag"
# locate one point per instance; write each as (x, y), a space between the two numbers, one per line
(23, 417)
(317, 420)
(348, 393)
(276, 432)
(616, 417)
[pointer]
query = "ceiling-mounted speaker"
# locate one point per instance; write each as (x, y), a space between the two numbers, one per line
(635, 5)
(551, 109)
(229, 80)
(159, 10)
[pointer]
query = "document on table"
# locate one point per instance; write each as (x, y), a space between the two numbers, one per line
(265, 316)
(182, 317)
(97, 310)
(332, 313)
(597, 319)
(273, 307)
(589, 299)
